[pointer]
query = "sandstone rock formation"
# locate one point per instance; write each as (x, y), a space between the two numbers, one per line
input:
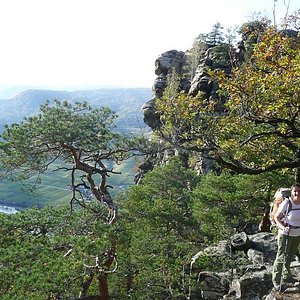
(164, 65)
(214, 57)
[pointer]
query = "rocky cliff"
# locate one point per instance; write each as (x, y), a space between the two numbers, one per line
(212, 57)
(192, 68)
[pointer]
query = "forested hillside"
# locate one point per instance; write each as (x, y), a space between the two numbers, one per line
(126, 102)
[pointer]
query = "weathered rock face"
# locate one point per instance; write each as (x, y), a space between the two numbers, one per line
(151, 118)
(214, 57)
(250, 276)
(169, 60)
(164, 65)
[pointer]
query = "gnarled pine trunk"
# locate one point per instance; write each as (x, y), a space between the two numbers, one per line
(102, 281)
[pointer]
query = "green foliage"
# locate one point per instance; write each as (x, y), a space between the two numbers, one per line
(163, 232)
(34, 244)
(251, 32)
(79, 139)
(263, 105)
(215, 37)
(258, 129)
(38, 141)
(162, 223)
(174, 214)
(228, 203)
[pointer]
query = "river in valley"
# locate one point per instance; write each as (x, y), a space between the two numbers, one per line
(7, 209)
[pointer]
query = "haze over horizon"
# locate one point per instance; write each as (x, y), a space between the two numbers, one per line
(76, 44)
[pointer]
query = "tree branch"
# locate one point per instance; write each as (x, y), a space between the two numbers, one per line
(241, 168)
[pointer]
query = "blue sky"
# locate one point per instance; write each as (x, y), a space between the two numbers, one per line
(78, 43)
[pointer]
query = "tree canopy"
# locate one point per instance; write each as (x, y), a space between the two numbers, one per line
(52, 254)
(78, 138)
(81, 141)
(262, 124)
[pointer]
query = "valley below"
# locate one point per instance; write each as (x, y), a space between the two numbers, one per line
(55, 186)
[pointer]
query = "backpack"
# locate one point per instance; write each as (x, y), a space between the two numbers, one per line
(285, 194)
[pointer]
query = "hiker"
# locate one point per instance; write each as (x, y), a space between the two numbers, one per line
(287, 218)
(278, 198)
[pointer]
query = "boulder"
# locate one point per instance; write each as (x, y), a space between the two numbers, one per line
(252, 285)
(151, 118)
(266, 243)
(240, 241)
(213, 286)
(255, 257)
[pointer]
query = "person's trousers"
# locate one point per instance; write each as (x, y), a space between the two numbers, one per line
(287, 248)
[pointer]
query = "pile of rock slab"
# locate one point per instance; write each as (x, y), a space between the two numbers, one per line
(250, 274)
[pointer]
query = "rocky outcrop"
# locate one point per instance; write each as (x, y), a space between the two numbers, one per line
(247, 269)
(151, 117)
(164, 65)
(216, 57)
(213, 57)
(209, 52)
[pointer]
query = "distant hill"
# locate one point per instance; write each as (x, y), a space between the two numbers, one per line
(11, 91)
(126, 102)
